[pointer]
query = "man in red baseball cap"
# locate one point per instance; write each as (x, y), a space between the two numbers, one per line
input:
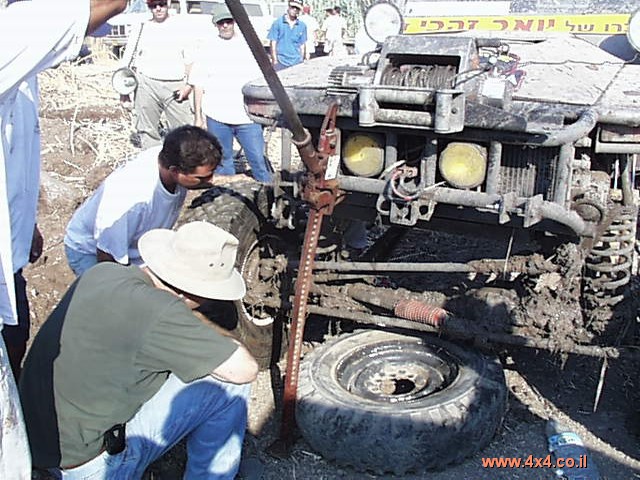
(160, 51)
(312, 31)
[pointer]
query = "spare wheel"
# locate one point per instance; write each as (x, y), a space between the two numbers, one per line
(386, 402)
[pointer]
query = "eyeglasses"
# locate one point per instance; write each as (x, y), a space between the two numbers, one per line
(226, 21)
(160, 3)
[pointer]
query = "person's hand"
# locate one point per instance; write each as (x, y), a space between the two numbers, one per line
(183, 93)
(37, 242)
(125, 101)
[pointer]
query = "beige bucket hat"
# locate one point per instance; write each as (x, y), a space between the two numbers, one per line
(198, 258)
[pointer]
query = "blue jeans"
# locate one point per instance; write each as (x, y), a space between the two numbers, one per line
(250, 138)
(79, 261)
(211, 414)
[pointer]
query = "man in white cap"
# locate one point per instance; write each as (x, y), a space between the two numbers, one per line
(123, 369)
(219, 103)
(161, 52)
(334, 28)
(312, 31)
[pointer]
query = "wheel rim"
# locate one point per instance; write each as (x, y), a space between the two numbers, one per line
(393, 372)
(263, 282)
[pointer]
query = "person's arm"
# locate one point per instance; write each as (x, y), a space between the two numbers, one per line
(103, 10)
(131, 48)
(185, 91)
(185, 342)
(303, 41)
(273, 38)
(196, 79)
(199, 120)
(239, 368)
(37, 242)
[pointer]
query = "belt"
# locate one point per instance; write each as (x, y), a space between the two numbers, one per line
(162, 79)
(69, 467)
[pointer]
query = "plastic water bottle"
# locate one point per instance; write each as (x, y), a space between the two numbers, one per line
(572, 458)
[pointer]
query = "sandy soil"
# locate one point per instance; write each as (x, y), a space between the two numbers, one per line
(76, 158)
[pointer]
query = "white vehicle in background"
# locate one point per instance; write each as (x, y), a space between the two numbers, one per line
(278, 9)
(196, 13)
(121, 24)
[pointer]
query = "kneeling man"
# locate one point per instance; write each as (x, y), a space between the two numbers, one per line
(122, 369)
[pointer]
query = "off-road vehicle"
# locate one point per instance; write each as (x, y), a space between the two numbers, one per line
(529, 140)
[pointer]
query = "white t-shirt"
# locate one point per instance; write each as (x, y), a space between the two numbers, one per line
(312, 28)
(33, 37)
(333, 26)
(130, 202)
(163, 50)
(222, 69)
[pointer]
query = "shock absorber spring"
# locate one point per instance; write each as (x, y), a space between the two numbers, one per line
(609, 264)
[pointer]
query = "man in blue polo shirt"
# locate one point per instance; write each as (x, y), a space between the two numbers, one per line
(288, 37)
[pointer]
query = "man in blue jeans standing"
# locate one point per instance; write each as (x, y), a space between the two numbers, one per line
(123, 369)
(218, 76)
(288, 37)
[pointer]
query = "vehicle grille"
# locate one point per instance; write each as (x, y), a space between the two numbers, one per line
(528, 171)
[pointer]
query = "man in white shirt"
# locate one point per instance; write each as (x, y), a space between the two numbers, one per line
(218, 76)
(160, 51)
(34, 36)
(146, 193)
(312, 31)
(333, 28)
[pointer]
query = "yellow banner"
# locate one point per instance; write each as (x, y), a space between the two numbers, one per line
(611, 24)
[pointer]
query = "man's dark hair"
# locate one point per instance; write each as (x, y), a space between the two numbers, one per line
(188, 148)
(337, 9)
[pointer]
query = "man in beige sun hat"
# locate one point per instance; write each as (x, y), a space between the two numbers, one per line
(122, 369)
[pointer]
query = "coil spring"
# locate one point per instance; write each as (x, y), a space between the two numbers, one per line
(610, 262)
(420, 76)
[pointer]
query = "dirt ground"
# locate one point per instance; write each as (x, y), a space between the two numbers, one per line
(85, 134)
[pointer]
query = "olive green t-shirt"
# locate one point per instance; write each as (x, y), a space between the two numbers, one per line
(105, 350)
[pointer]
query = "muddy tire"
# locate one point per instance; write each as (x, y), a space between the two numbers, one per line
(384, 402)
(242, 210)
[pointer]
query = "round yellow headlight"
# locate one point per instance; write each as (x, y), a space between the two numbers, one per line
(463, 165)
(363, 155)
